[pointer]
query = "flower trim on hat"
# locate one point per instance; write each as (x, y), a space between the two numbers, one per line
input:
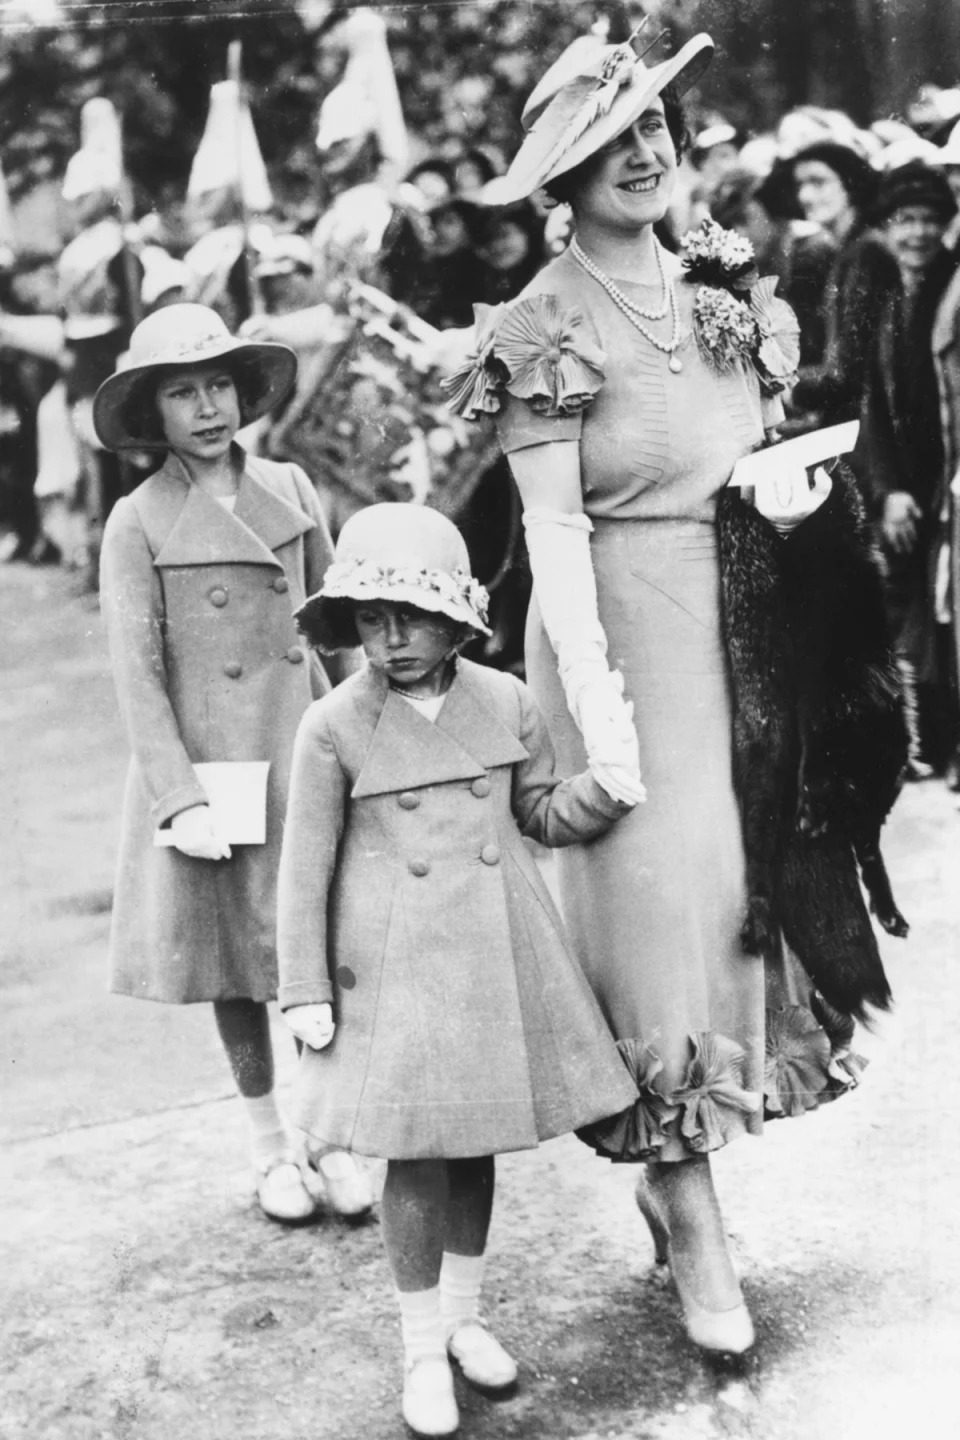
(530, 349)
(458, 588)
(737, 317)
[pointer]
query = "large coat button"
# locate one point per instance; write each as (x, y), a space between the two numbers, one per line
(490, 854)
(281, 584)
(419, 868)
(295, 655)
(408, 801)
(233, 669)
(481, 788)
(218, 597)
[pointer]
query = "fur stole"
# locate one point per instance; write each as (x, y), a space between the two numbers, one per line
(820, 737)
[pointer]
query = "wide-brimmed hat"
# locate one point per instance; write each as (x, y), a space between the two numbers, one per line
(181, 335)
(404, 553)
(589, 96)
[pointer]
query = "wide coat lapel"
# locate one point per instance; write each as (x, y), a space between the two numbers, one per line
(407, 750)
(207, 533)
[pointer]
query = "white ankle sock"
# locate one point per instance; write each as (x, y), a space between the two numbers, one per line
(420, 1324)
(461, 1277)
(268, 1134)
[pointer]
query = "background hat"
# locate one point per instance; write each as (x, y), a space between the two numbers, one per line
(174, 337)
(914, 184)
(408, 554)
(589, 96)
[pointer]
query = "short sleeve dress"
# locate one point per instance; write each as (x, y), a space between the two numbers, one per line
(655, 907)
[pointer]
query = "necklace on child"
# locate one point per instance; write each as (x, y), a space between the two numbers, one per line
(634, 313)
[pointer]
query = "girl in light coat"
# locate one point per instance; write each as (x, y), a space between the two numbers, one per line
(202, 566)
(422, 960)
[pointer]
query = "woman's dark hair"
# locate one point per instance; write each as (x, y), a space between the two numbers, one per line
(564, 187)
(141, 416)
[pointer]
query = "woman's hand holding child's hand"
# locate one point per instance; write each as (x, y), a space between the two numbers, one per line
(613, 753)
(313, 1024)
(195, 834)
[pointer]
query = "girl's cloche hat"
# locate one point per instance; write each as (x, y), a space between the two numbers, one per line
(172, 338)
(405, 553)
(589, 96)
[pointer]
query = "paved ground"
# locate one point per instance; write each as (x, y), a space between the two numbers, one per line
(146, 1299)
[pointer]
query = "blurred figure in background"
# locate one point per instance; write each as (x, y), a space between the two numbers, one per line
(453, 273)
(835, 187)
(713, 152)
(899, 456)
(511, 248)
(99, 281)
(798, 252)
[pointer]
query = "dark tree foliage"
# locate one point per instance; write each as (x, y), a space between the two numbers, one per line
(463, 66)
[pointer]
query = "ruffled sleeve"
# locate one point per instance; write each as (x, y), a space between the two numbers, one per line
(535, 366)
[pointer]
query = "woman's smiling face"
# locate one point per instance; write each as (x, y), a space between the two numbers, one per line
(628, 184)
(199, 410)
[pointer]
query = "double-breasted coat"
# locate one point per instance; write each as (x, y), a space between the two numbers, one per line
(208, 665)
(408, 898)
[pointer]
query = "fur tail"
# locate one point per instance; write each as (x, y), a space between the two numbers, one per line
(826, 924)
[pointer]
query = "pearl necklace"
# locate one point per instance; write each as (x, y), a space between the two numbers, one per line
(611, 287)
(633, 312)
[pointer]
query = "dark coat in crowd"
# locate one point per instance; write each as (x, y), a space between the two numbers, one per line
(901, 449)
(861, 278)
(209, 666)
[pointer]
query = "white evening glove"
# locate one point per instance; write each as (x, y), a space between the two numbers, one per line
(559, 549)
(195, 833)
(313, 1024)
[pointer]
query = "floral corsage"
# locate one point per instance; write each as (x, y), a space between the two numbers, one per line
(737, 317)
(530, 349)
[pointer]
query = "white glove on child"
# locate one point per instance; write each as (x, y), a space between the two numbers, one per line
(313, 1024)
(195, 833)
(559, 549)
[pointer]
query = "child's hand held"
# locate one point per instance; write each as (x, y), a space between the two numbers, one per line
(313, 1024)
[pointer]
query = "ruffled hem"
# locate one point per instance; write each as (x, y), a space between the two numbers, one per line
(809, 1062)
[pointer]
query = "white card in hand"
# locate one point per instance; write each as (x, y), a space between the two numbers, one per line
(237, 792)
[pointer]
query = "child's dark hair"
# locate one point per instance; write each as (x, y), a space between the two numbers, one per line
(564, 187)
(141, 416)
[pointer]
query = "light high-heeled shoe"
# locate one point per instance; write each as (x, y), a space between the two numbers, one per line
(721, 1332)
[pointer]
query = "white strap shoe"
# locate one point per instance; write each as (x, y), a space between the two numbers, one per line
(282, 1194)
(429, 1404)
(481, 1357)
(343, 1185)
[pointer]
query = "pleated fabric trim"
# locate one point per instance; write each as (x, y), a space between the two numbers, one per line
(809, 1061)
